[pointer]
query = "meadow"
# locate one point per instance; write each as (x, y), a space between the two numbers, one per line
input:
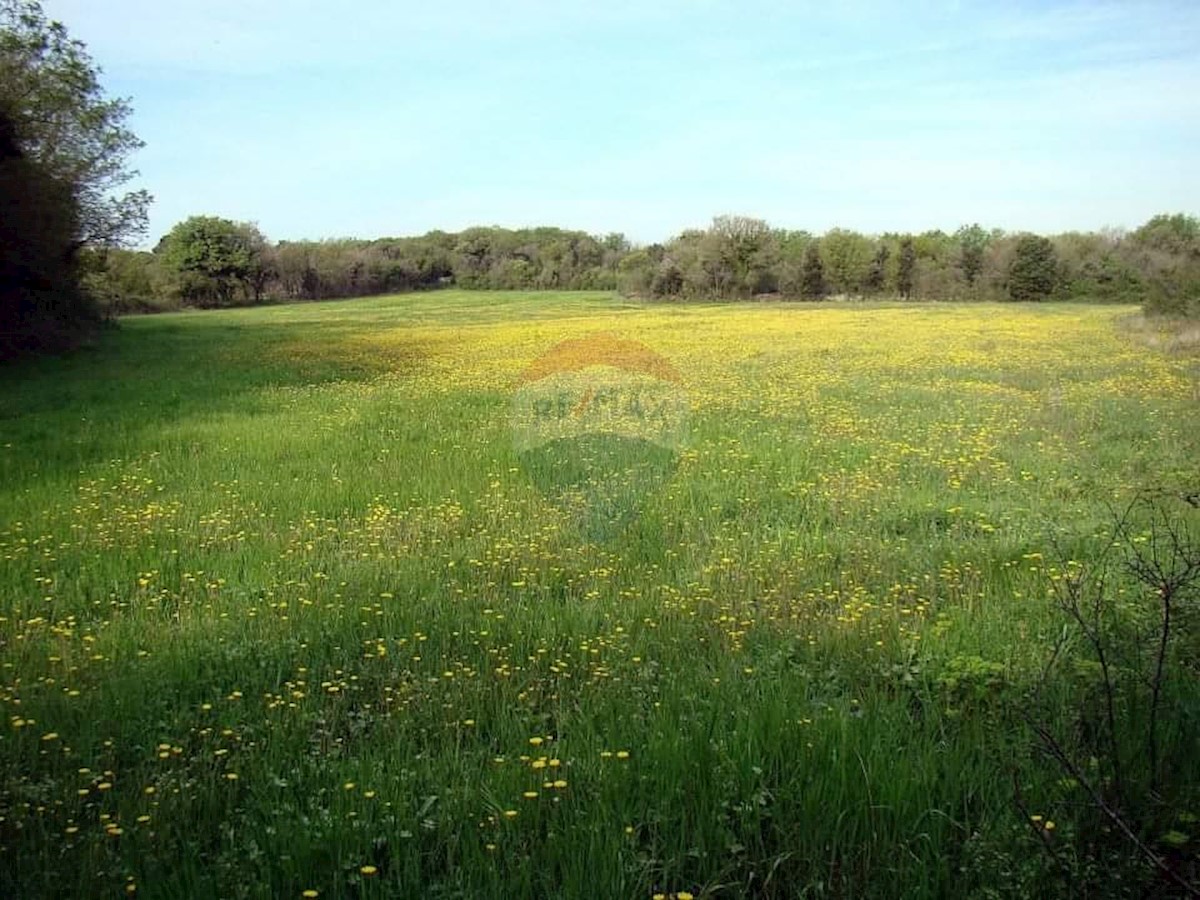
(285, 613)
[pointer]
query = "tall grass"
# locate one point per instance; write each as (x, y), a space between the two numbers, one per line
(282, 609)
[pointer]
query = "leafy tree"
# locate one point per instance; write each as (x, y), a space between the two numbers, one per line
(906, 273)
(41, 305)
(972, 242)
(63, 151)
(847, 259)
(211, 258)
(744, 248)
(877, 274)
(66, 125)
(296, 271)
(812, 278)
(124, 281)
(635, 273)
(1033, 271)
(1177, 234)
(668, 279)
(789, 269)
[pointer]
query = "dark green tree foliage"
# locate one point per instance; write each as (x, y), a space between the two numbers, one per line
(972, 242)
(212, 260)
(1167, 253)
(877, 274)
(63, 150)
(813, 285)
(1034, 269)
(41, 305)
(906, 273)
(66, 125)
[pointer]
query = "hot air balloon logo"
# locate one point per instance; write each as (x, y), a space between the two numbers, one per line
(598, 424)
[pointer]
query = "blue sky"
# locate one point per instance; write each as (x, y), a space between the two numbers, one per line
(368, 118)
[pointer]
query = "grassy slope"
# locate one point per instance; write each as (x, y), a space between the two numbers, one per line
(277, 578)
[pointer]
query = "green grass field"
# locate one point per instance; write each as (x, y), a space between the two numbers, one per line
(284, 612)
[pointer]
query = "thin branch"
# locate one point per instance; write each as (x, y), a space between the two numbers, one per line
(1056, 751)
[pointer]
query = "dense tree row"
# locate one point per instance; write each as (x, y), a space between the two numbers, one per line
(207, 261)
(1159, 263)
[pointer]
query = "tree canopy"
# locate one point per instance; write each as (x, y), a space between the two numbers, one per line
(211, 259)
(64, 150)
(65, 123)
(1034, 267)
(735, 258)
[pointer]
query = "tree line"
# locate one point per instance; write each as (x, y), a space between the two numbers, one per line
(207, 261)
(739, 257)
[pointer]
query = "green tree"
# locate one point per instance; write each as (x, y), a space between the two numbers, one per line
(65, 124)
(812, 277)
(877, 274)
(667, 280)
(1177, 234)
(63, 152)
(744, 248)
(847, 258)
(212, 258)
(1033, 271)
(789, 267)
(41, 305)
(635, 273)
(906, 273)
(124, 281)
(972, 242)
